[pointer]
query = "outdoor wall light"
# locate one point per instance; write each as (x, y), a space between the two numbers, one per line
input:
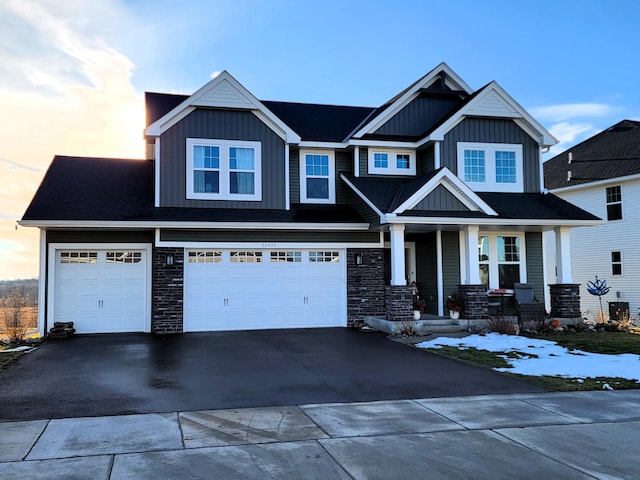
(169, 260)
(359, 259)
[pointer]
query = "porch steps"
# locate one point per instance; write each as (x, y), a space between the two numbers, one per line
(441, 325)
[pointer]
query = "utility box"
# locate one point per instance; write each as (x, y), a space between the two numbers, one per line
(617, 309)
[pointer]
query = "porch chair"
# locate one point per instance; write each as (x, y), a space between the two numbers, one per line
(528, 308)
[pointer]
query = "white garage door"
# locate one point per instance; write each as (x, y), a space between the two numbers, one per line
(101, 291)
(255, 289)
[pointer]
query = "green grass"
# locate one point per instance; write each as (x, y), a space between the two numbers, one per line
(607, 343)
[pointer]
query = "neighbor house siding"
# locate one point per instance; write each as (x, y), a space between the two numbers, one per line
(450, 262)
(426, 270)
(591, 247)
(485, 130)
(535, 266)
(223, 125)
(418, 116)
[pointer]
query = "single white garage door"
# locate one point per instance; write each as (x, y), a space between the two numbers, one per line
(256, 289)
(101, 291)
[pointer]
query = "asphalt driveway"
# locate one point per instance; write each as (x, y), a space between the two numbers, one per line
(136, 373)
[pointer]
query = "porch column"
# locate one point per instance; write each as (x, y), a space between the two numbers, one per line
(396, 233)
(563, 255)
(472, 266)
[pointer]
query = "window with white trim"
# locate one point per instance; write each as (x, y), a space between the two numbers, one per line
(502, 260)
(224, 169)
(317, 177)
(79, 257)
(616, 263)
(392, 162)
(614, 203)
(491, 167)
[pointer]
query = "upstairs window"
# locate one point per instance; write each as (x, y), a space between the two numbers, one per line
(392, 162)
(491, 167)
(614, 203)
(317, 177)
(223, 170)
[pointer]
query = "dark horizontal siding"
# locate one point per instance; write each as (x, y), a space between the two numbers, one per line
(535, 267)
(344, 164)
(425, 161)
(267, 236)
(487, 130)
(418, 116)
(84, 236)
(223, 125)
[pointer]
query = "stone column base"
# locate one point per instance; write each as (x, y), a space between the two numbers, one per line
(565, 300)
(475, 302)
(398, 302)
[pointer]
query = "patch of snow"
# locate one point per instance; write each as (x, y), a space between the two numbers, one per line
(23, 348)
(552, 359)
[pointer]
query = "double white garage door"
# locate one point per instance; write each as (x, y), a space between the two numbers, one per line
(108, 290)
(239, 289)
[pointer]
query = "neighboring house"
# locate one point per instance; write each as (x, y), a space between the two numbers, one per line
(602, 176)
(255, 214)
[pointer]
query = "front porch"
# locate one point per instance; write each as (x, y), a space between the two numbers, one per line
(429, 324)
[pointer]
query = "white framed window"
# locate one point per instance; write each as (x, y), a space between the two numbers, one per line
(491, 167)
(616, 263)
(224, 169)
(317, 176)
(79, 257)
(502, 260)
(614, 202)
(392, 162)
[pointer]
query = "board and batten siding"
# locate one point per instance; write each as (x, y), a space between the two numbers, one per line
(222, 125)
(441, 199)
(294, 175)
(425, 160)
(418, 116)
(485, 130)
(591, 247)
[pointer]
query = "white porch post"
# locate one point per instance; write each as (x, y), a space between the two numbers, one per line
(472, 266)
(563, 255)
(396, 232)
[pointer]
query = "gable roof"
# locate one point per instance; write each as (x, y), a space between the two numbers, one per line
(223, 91)
(102, 190)
(612, 153)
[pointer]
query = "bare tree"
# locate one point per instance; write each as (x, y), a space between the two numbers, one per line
(14, 309)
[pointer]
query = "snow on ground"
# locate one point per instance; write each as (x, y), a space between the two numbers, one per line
(552, 359)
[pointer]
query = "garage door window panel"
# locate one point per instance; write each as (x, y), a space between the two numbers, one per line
(123, 257)
(79, 257)
(245, 257)
(205, 257)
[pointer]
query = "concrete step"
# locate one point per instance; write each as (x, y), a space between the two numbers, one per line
(437, 322)
(442, 328)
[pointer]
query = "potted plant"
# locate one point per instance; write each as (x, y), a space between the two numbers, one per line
(455, 303)
(418, 303)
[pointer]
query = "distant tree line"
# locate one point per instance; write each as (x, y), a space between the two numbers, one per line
(27, 289)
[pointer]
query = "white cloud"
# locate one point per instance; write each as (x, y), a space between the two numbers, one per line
(569, 134)
(215, 73)
(69, 93)
(568, 111)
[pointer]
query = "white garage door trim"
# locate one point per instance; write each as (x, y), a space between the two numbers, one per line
(245, 289)
(54, 248)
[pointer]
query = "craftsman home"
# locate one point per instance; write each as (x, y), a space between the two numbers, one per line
(251, 214)
(602, 175)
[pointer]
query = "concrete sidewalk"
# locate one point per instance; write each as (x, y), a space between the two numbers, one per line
(552, 435)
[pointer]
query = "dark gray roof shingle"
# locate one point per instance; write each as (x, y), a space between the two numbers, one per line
(612, 153)
(109, 189)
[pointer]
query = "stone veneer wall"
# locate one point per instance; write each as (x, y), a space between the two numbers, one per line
(565, 300)
(475, 302)
(365, 285)
(168, 283)
(398, 302)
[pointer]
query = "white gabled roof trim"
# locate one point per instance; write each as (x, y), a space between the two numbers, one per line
(453, 80)
(362, 196)
(195, 225)
(457, 187)
(223, 91)
(495, 93)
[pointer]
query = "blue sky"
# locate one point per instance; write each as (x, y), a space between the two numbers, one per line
(73, 73)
